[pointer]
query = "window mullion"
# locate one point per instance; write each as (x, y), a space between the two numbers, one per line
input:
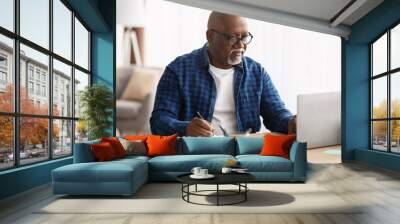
(371, 142)
(389, 76)
(73, 82)
(50, 81)
(16, 84)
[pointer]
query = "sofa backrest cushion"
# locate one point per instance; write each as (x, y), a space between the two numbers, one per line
(249, 145)
(206, 145)
(83, 152)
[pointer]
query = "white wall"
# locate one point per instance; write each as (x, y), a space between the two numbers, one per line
(298, 61)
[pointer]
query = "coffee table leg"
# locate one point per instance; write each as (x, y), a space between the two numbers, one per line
(196, 188)
(217, 194)
(245, 191)
(188, 189)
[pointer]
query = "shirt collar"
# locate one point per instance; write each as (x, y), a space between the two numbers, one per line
(205, 60)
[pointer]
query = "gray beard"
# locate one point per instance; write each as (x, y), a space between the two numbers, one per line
(237, 61)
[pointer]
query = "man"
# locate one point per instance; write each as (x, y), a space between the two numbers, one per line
(216, 88)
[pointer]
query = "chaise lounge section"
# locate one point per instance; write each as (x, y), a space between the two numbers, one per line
(125, 176)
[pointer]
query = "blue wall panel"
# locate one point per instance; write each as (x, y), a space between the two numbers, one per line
(376, 158)
(355, 86)
(356, 100)
(24, 178)
(103, 68)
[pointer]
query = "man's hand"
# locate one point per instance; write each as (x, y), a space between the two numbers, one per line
(292, 125)
(199, 127)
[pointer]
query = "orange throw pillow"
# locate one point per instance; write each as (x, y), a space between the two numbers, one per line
(103, 151)
(277, 145)
(161, 145)
(116, 145)
(136, 137)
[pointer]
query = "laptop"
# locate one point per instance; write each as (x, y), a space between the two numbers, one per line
(318, 119)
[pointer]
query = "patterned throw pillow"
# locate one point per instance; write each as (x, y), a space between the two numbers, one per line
(134, 147)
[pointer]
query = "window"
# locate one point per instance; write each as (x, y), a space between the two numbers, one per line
(81, 81)
(62, 140)
(50, 135)
(6, 143)
(3, 78)
(37, 75)
(7, 85)
(62, 74)
(62, 29)
(385, 92)
(7, 14)
(38, 89)
(34, 21)
(3, 72)
(44, 91)
(30, 87)
(81, 45)
(30, 72)
(3, 61)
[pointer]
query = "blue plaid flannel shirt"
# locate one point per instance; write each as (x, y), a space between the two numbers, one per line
(186, 87)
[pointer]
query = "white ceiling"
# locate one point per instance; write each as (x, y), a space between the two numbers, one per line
(316, 15)
(320, 9)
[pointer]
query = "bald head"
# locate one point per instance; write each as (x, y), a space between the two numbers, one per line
(224, 22)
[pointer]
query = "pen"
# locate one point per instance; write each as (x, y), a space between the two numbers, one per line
(198, 114)
(201, 117)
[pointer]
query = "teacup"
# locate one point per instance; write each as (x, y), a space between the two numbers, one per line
(196, 170)
(203, 172)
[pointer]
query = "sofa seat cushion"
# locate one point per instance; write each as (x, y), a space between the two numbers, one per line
(112, 171)
(257, 163)
(185, 163)
(128, 108)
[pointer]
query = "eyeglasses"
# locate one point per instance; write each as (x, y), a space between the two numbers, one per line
(246, 39)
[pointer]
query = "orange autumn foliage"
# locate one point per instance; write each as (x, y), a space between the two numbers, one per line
(33, 130)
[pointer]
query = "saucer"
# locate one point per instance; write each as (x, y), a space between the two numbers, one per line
(208, 176)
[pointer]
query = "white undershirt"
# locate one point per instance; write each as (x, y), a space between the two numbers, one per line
(224, 109)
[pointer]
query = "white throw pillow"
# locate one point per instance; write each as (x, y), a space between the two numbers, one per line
(134, 147)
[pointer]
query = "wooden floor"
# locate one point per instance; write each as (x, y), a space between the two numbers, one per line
(379, 189)
(325, 155)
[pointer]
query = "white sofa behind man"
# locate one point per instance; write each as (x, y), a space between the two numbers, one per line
(136, 87)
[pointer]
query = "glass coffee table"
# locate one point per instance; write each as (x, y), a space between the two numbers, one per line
(238, 179)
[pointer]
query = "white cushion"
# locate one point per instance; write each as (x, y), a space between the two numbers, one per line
(128, 108)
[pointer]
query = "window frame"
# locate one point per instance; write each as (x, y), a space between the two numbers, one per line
(16, 114)
(388, 74)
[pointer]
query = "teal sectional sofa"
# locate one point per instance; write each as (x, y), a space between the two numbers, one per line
(125, 176)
